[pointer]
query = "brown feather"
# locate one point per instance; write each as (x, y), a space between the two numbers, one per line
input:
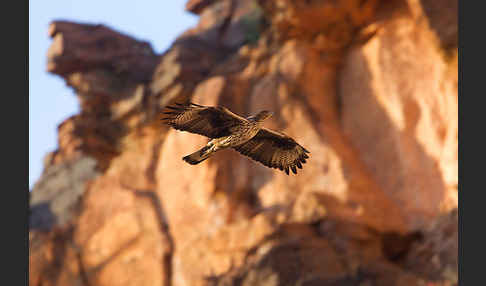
(275, 150)
(271, 148)
(212, 122)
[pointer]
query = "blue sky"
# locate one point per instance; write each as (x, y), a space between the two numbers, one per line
(50, 100)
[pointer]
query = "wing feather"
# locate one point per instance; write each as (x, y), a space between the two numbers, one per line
(275, 150)
(212, 122)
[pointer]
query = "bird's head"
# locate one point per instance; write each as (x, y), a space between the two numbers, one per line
(262, 115)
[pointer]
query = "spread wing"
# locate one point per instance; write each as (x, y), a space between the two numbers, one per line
(275, 150)
(212, 122)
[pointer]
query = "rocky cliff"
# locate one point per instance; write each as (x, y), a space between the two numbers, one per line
(369, 87)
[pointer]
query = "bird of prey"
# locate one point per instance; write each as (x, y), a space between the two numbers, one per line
(245, 135)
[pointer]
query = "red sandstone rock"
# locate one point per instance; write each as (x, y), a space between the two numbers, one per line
(400, 80)
(196, 6)
(370, 88)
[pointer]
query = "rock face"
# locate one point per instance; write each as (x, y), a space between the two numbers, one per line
(369, 87)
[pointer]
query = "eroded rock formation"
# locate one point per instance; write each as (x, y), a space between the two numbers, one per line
(369, 87)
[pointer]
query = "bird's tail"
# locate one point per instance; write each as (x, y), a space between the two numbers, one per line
(198, 156)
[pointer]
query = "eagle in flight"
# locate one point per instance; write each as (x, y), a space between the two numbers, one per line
(228, 130)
